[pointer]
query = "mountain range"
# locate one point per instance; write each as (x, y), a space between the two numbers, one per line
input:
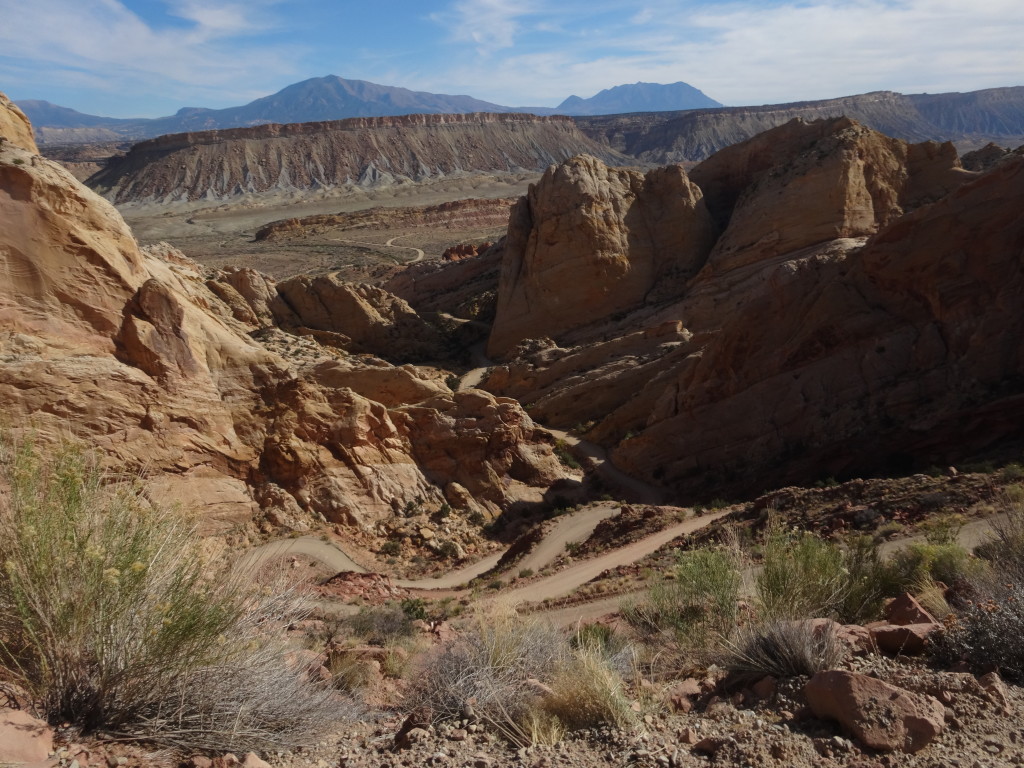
(335, 98)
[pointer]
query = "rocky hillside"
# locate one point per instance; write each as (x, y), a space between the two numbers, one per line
(152, 360)
(819, 300)
(222, 164)
(968, 119)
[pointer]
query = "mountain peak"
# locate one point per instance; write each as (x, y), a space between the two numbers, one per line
(639, 97)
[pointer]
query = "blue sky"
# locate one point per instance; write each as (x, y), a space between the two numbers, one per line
(150, 57)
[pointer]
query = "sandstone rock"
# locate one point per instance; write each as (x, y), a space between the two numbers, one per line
(905, 609)
(909, 639)
(366, 318)
(15, 127)
(252, 760)
(879, 715)
(135, 353)
(23, 738)
(589, 241)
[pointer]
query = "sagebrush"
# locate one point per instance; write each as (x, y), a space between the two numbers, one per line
(111, 619)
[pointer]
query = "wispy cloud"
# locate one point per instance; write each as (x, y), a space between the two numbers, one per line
(103, 41)
(747, 52)
(489, 24)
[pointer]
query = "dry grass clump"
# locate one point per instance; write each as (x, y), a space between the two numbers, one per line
(111, 619)
(522, 677)
(784, 649)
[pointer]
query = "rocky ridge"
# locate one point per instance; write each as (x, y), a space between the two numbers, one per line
(360, 151)
(831, 328)
(969, 119)
(143, 353)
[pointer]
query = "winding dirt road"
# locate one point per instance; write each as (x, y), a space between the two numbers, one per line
(387, 244)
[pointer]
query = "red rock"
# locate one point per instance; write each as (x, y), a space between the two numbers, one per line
(909, 639)
(23, 738)
(765, 688)
(879, 715)
(905, 609)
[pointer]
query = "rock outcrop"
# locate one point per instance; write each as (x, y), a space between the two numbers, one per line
(356, 318)
(589, 241)
(15, 127)
(852, 317)
(161, 366)
(360, 151)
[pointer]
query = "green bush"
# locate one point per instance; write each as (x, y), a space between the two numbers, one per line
(563, 452)
(111, 619)
(802, 576)
(698, 604)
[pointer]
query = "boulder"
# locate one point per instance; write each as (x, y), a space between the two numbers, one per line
(879, 715)
(15, 127)
(905, 609)
(23, 738)
(908, 639)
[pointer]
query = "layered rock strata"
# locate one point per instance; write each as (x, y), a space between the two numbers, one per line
(359, 151)
(187, 376)
(856, 314)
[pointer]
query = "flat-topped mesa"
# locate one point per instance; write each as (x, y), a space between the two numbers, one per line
(365, 151)
(588, 241)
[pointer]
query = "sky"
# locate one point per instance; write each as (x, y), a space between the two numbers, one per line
(148, 58)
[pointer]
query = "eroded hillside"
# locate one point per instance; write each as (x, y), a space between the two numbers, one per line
(160, 364)
(359, 151)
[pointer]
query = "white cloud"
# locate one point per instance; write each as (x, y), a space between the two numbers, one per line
(753, 53)
(101, 40)
(490, 24)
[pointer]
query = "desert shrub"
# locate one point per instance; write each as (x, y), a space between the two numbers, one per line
(523, 678)
(987, 634)
(1006, 550)
(111, 619)
(382, 624)
(600, 636)
(784, 649)
(563, 452)
(942, 529)
(868, 582)
(391, 548)
(414, 608)
(919, 565)
(490, 664)
(802, 576)
(698, 603)
(587, 691)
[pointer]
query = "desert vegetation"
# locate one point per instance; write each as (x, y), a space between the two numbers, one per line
(113, 621)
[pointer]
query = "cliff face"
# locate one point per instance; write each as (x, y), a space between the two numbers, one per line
(156, 364)
(630, 234)
(365, 151)
(858, 312)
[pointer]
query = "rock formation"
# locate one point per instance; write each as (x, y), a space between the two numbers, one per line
(160, 366)
(359, 151)
(855, 315)
(589, 241)
(15, 127)
(969, 119)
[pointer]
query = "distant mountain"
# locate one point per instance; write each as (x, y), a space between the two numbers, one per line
(45, 113)
(639, 97)
(321, 99)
